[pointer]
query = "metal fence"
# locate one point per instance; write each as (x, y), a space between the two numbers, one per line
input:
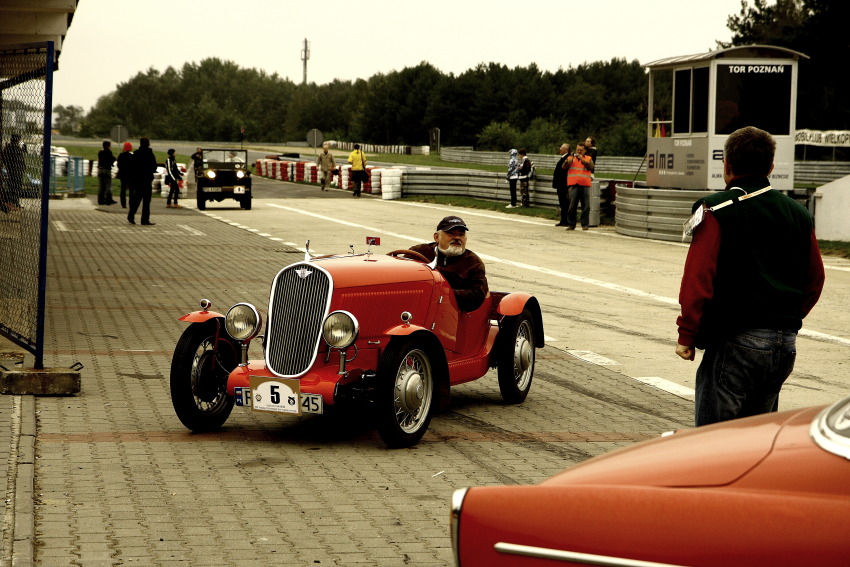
(26, 83)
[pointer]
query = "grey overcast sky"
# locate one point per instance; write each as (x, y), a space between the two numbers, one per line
(110, 41)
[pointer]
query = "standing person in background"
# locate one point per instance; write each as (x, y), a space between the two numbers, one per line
(326, 165)
(172, 179)
(559, 183)
(358, 169)
(513, 175)
(579, 179)
(524, 171)
(144, 166)
(105, 159)
(590, 145)
(12, 159)
(125, 172)
(198, 161)
(753, 272)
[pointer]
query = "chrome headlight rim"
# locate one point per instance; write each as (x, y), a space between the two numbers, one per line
(243, 322)
(340, 337)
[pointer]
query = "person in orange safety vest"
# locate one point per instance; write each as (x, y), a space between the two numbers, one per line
(579, 179)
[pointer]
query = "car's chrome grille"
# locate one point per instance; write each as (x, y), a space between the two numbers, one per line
(298, 306)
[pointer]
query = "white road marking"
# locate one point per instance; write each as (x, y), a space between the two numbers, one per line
(60, 226)
(839, 268)
(592, 357)
(668, 386)
(190, 230)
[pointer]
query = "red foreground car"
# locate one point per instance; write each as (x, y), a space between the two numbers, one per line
(382, 332)
(769, 490)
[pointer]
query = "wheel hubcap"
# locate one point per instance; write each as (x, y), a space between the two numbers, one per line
(522, 355)
(412, 391)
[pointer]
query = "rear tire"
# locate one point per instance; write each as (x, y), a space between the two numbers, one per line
(406, 391)
(199, 376)
(517, 353)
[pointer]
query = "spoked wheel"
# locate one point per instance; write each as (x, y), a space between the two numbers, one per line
(199, 377)
(405, 397)
(516, 357)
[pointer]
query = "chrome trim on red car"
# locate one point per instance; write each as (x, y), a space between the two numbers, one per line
(299, 302)
(457, 504)
(831, 429)
(574, 557)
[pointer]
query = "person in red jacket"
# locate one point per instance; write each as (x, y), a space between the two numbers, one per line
(753, 272)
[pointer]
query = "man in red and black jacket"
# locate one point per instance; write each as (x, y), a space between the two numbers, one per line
(753, 272)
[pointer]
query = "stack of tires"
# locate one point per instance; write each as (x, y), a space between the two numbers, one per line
(391, 183)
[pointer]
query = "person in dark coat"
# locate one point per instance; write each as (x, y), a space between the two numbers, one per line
(559, 183)
(125, 172)
(144, 166)
(105, 159)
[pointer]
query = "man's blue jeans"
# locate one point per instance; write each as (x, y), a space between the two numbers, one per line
(742, 375)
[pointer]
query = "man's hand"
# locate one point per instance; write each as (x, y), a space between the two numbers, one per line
(686, 352)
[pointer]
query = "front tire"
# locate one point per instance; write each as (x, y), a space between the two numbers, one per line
(199, 376)
(405, 392)
(201, 200)
(517, 353)
(246, 202)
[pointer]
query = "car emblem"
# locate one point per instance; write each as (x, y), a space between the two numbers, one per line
(303, 273)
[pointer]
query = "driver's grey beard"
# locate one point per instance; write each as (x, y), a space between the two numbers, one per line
(453, 250)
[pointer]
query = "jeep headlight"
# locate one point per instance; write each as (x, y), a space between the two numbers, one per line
(242, 322)
(210, 174)
(340, 329)
(240, 174)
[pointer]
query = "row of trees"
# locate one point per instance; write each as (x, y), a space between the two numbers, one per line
(489, 107)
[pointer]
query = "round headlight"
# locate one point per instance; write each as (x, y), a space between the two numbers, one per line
(210, 174)
(340, 329)
(242, 322)
(240, 174)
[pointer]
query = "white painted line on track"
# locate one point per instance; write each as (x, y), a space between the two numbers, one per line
(592, 357)
(60, 226)
(668, 386)
(190, 230)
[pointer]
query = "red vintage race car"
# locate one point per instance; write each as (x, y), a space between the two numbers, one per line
(384, 330)
(768, 490)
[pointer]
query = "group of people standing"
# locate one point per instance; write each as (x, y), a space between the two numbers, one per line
(572, 179)
(135, 171)
(327, 168)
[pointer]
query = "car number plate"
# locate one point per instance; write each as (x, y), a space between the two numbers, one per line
(278, 395)
(239, 190)
(212, 189)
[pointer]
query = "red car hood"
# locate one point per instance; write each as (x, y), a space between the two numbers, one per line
(373, 270)
(712, 455)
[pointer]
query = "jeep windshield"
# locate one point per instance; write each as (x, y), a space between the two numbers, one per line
(225, 158)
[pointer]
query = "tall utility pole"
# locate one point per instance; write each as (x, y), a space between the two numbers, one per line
(305, 55)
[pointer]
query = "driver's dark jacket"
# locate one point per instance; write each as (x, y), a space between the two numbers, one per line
(465, 273)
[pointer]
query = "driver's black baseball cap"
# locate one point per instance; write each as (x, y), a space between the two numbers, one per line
(450, 223)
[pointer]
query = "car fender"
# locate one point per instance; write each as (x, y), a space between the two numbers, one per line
(514, 304)
(200, 316)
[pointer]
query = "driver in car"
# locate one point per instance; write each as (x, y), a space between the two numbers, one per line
(462, 268)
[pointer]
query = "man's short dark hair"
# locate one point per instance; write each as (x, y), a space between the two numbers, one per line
(522, 151)
(106, 144)
(356, 146)
(750, 151)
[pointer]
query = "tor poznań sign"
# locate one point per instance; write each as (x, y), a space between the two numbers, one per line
(838, 138)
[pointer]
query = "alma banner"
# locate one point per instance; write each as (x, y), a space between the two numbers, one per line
(840, 138)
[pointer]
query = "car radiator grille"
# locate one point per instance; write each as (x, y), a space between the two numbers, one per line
(297, 309)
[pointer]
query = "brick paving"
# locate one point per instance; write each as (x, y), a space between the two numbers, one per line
(115, 479)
